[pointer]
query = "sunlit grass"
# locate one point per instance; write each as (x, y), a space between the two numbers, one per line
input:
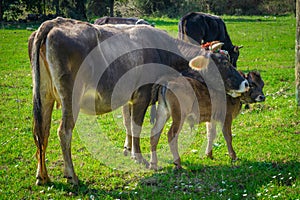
(266, 136)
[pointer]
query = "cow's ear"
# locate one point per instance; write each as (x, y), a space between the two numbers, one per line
(199, 62)
(242, 74)
(237, 48)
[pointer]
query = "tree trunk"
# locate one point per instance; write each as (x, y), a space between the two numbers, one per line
(80, 8)
(297, 64)
(111, 8)
(39, 7)
(44, 7)
(1, 10)
(56, 5)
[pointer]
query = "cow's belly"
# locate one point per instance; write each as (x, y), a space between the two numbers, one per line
(93, 103)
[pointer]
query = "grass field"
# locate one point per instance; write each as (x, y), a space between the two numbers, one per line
(266, 136)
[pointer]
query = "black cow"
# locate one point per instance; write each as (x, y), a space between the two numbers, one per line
(196, 27)
(121, 20)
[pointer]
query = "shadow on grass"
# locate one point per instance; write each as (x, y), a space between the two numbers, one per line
(235, 181)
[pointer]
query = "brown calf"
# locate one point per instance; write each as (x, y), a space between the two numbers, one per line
(255, 94)
(200, 105)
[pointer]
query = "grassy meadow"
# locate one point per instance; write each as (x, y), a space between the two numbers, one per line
(266, 136)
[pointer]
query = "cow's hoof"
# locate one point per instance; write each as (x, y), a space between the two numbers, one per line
(72, 180)
(144, 162)
(234, 159)
(126, 152)
(153, 166)
(209, 155)
(177, 165)
(42, 181)
(177, 168)
(140, 160)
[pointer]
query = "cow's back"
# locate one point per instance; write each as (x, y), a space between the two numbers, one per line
(200, 28)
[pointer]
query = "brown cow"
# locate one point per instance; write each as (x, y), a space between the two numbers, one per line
(200, 104)
(82, 67)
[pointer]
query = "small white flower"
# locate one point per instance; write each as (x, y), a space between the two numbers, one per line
(258, 194)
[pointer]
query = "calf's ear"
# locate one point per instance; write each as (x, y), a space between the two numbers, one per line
(199, 62)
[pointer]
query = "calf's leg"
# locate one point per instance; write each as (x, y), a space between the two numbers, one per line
(161, 118)
(228, 137)
(211, 136)
(173, 141)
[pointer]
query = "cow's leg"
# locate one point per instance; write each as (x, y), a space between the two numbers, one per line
(70, 98)
(47, 103)
(161, 118)
(173, 141)
(140, 103)
(211, 136)
(65, 135)
(127, 123)
(228, 137)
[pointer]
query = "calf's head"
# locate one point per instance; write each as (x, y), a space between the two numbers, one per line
(255, 93)
(234, 83)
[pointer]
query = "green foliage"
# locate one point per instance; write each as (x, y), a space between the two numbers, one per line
(266, 136)
(88, 9)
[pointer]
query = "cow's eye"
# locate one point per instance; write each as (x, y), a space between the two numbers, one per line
(253, 85)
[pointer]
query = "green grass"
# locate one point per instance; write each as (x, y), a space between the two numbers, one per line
(266, 136)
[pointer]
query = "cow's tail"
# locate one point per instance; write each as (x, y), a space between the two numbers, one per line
(39, 38)
(157, 90)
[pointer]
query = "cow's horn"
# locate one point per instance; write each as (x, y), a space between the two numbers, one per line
(217, 46)
(199, 62)
(241, 46)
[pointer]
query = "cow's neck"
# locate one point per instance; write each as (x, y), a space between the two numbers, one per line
(188, 50)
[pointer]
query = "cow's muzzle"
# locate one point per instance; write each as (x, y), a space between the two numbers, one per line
(260, 98)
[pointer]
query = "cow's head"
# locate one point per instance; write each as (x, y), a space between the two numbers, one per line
(255, 94)
(234, 54)
(234, 83)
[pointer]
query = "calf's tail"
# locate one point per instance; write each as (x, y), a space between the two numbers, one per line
(156, 91)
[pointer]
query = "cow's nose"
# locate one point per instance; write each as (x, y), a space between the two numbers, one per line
(260, 98)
